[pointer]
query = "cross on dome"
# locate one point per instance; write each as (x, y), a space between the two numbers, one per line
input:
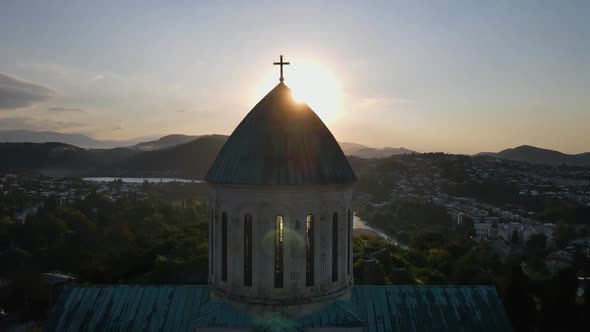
(281, 63)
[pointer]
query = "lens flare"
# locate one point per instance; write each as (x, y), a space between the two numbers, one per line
(310, 83)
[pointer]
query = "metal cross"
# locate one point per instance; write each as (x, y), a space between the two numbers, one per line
(281, 63)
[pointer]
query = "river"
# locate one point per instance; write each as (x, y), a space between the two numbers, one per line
(358, 223)
(139, 180)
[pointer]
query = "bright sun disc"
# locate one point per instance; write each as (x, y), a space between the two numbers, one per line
(312, 84)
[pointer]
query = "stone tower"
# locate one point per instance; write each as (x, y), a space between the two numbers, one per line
(280, 219)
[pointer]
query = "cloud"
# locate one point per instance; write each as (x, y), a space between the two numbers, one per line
(70, 124)
(120, 125)
(66, 109)
(16, 93)
(200, 112)
(12, 123)
(96, 77)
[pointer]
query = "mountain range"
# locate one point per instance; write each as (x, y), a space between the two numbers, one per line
(164, 142)
(535, 155)
(187, 156)
(362, 151)
(151, 144)
(189, 160)
(79, 140)
(184, 156)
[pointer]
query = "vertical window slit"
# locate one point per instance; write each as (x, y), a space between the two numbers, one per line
(335, 247)
(248, 250)
(349, 242)
(309, 251)
(224, 246)
(279, 224)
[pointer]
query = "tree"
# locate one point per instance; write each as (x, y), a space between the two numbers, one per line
(427, 239)
(519, 304)
(515, 238)
(401, 277)
(439, 259)
(564, 234)
(559, 310)
(469, 270)
(369, 272)
(537, 242)
(429, 276)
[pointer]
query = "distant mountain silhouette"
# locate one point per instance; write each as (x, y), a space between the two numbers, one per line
(359, 150)
(58, 158)
(165, 142)
(537, 155)
(171, 156)
(189, 160)
(79, 140)
(168, 141)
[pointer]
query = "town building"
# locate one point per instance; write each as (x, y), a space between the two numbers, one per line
(486, 229)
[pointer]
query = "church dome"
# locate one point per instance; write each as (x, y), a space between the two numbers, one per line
(281, 142)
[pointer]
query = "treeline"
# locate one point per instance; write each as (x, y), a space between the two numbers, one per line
(100, 241)
(403, 218)
(548, 304)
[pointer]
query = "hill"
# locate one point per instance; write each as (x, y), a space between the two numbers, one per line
(165, 142)
(168, 141)
(167, 156)
(537, 155)
(362, 151)
(58, 159)
(189, 160)
(79, 140)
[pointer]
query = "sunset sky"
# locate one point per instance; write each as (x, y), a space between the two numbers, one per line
(453, 76)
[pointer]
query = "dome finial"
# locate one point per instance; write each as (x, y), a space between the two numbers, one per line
(281, 63)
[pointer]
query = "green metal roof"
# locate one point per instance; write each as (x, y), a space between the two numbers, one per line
(185, 308)
(431, 308)
(281, 142)
(127, 308)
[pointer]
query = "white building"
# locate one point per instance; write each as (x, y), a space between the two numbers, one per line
(461, 213)
(506, 230)
(486, 228)
(529, 230)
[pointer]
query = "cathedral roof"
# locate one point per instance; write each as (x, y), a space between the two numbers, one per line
(190, 308)
(281, 142)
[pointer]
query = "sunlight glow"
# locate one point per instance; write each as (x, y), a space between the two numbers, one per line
(310, 83)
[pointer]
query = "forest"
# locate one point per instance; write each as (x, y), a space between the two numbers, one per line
(163, 240)
(99, 241)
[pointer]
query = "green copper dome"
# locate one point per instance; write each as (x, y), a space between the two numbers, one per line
(281, 142)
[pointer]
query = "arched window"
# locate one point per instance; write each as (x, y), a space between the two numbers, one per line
(349, 242)
(248, 250)
(215, 243)
(335, 246)
(224, 246)
(309, 247)
(279, 224)
(211, 242)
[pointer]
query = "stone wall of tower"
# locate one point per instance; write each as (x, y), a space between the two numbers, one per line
(294, 203)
